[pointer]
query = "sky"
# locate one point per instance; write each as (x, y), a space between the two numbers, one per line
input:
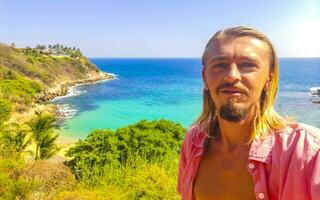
(166, 28)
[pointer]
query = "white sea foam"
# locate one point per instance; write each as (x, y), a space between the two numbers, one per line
(112, 74)
(66, 111)
(72, 91)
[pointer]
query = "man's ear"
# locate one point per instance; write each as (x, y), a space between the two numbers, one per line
(267, 85)
(204, 79)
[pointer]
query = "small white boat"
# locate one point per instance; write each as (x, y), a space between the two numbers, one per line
(314, 91)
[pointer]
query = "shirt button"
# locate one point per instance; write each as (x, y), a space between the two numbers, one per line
(251, 166)
(261, 195)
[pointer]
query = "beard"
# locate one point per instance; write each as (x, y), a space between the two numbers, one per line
(232, 112)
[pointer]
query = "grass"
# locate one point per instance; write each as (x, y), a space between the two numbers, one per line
(49, 180)
(144, 181)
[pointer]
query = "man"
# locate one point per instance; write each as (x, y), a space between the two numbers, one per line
(240, 148)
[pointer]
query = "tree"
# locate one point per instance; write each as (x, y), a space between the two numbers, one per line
(42, 128)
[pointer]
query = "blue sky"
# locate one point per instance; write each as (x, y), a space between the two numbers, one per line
(150, 28)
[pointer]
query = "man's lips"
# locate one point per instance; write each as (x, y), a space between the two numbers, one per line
(232, 91)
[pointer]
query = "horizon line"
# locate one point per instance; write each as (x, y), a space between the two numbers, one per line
(182, 57)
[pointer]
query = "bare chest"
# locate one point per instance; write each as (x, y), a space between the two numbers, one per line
(223, 177)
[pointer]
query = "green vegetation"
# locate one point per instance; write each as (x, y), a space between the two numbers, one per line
(17, 89)
(29, 73)
(12, 185)
(136, 162)
(14, 140)
(152, 141)
(139, 161)
(46, 65)
(33, 180)
(53, 50)
(5, 111)
(42, 129)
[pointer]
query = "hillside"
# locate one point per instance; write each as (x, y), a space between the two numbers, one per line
(138, 161)
(33, 75)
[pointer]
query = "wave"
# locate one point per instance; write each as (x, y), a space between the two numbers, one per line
(65, 111)
(314, 91)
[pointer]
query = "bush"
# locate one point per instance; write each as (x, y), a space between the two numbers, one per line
(152, 141)
(19, 89)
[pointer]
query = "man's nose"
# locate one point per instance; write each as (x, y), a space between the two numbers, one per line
(233, 74)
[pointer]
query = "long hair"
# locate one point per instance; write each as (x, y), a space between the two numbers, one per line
(266, 118)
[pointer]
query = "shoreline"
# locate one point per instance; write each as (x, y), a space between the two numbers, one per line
(62, 114)
(43, 103)
(67, 141)
(76, 85)
(62, 89)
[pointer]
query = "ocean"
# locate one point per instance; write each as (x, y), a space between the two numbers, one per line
(171, 88)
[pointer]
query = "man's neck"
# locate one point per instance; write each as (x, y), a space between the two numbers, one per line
(234, 135)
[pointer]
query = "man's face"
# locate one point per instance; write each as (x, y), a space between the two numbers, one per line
(236, 71)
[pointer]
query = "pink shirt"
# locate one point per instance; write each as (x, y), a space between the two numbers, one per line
(284, 166)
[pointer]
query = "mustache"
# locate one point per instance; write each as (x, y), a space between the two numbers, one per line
(230, 85)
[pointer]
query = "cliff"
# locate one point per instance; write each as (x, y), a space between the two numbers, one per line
(30, 76)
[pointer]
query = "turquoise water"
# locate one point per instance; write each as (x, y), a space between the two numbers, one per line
(172, 89)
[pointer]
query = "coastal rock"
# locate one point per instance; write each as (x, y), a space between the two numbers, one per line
(63, 88)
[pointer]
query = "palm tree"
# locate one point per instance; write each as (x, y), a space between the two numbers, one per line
(42, 127)
(47, 145)
(14, 139)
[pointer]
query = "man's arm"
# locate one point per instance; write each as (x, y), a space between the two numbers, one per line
(182, 165)
(315, 178)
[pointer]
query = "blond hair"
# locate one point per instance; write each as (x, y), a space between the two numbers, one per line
(266, 118)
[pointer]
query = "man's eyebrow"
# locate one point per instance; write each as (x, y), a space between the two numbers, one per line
(250, 58)
(246, 57)
(218, 58)
(253, 58)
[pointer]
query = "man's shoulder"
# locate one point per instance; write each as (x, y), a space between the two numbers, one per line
(195, 135)
(299, 135)
(315, 132)
(193, 130)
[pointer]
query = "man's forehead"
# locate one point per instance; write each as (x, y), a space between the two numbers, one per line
(237, 47)
(252, 42)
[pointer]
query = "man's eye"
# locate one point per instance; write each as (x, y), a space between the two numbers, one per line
(220, 65)
(247, 65)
